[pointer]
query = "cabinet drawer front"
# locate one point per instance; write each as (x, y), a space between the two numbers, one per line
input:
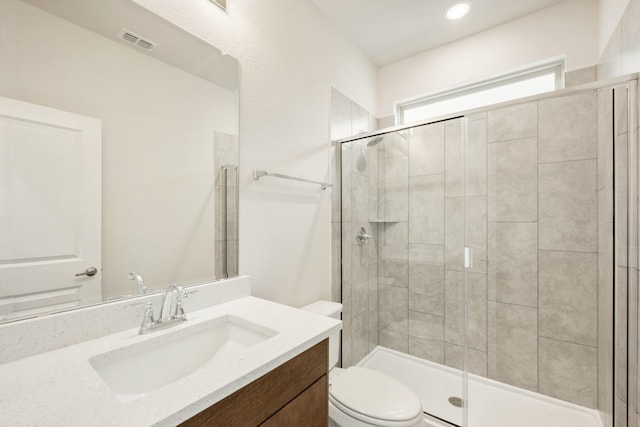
(256, 402)
(309, 409)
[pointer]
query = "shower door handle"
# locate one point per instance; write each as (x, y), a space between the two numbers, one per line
(468, 257)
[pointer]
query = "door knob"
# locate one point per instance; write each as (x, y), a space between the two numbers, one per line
(91, 271)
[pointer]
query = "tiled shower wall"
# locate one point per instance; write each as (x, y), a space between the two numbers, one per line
(531, 212)
(539, 280)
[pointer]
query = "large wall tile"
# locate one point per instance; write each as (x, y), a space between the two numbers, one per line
(569, 296)
(346, 248)
(454, 357)
(347, 335)
(346, 182)
(336, 253)
(453, 306)
(393, 304)
(394, 254)
(396, 189)
(426, 336)
(360, 344)
(426, 209)
(373, 160)
(360, 280)
(386, 122)
(513, 263)
(423, 325)
(476, 309)
(373, 317)
(426, 150)
(568, 127)
(381, 185)
(426, 278)
(581, 76)
(476, 180)
(513, 122)
(568, 371)
(394, 145)
(454, 233)
(427, 349)
(568, 206)
(513, 183)
(394, 340)
(453, 159)
(336, 193)
(476, 231)
(359, 200)
(513, 345)
(360, 165)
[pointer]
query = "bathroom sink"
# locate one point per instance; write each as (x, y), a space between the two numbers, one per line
(136, 370)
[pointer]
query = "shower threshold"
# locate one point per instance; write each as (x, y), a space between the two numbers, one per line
(491, 403)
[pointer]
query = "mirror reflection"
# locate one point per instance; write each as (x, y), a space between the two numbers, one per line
(118, 155)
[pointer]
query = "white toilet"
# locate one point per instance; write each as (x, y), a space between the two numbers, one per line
(361, 397)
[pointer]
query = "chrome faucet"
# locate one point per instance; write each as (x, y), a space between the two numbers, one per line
(171, 311)
(142, 289)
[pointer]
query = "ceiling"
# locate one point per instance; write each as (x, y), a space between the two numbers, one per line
(390, 30)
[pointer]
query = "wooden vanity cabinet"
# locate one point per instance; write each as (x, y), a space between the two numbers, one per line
(295, 393)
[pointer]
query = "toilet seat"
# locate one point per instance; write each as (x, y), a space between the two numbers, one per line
(374, 398)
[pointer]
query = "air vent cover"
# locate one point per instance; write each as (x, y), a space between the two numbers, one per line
(132, 38)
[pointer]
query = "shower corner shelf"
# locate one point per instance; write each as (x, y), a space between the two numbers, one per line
(379, 220)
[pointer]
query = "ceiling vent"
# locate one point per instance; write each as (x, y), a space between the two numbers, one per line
(132, 38)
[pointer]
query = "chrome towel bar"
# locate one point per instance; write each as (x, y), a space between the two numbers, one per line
(257, 174)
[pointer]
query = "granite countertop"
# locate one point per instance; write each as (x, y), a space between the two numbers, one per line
(61, 387)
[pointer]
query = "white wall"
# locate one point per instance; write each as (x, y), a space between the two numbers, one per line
(610, 12)
(569, 28)
(289, 58)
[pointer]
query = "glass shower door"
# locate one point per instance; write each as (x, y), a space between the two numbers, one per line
(402, 272)
(540, 275)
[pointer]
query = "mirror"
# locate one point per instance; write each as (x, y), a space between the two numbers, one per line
(118, 155)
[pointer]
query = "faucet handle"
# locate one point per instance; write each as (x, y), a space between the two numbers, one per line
(147, 319)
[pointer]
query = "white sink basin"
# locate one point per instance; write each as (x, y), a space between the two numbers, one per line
(134, 371)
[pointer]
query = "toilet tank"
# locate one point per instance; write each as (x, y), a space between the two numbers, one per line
(329, 309)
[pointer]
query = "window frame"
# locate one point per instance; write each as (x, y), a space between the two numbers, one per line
(554, 65)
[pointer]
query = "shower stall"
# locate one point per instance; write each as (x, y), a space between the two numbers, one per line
(489, 260)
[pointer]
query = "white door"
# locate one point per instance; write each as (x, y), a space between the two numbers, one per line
(50, 209)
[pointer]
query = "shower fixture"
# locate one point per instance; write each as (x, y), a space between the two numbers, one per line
(375, 141)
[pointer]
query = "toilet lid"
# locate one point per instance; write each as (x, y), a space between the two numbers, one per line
(375, 395)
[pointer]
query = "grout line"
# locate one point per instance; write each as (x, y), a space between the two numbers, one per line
(568, 342)
(511, 303)
(564, 251)
(568, 161)
(525, 138)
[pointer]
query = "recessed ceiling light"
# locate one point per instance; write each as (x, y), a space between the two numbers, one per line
(458, 10)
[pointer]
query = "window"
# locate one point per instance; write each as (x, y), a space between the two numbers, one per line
(517, 84)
